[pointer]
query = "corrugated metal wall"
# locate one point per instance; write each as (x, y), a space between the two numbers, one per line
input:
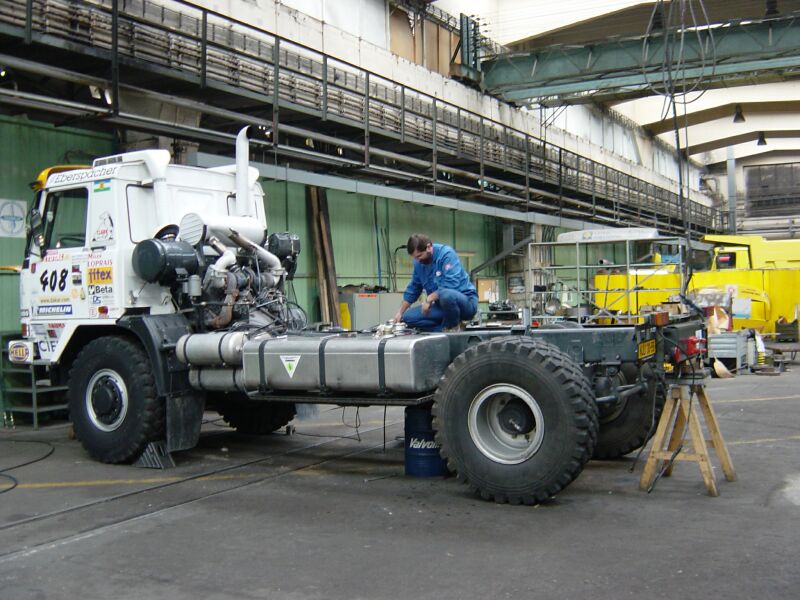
(28, 147)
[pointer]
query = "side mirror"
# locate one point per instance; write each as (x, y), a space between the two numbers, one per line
(35, 228)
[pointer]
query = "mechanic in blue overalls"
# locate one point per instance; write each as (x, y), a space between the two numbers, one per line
(451, 297)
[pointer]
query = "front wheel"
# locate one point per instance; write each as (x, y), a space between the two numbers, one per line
(516, 419)
(112, 400)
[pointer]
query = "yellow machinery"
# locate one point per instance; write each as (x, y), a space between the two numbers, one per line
(756, 280)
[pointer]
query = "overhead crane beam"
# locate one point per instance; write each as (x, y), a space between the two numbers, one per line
(741, 51)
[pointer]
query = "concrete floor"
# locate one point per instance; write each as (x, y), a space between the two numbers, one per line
(308, 517)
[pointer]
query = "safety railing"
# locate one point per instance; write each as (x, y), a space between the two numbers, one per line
(495, 162)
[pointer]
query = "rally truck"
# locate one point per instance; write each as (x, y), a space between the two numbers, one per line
(156, 292)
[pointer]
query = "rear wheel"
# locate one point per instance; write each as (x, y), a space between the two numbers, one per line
(112, 400)
(516, 419)
(254, 417)
(629, 425)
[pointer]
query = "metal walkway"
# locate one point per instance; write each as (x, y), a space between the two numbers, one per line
(325, 114)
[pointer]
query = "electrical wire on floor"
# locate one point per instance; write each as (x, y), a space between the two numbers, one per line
(662, 383)
(14, 481)
(356, 425)
(384, 427)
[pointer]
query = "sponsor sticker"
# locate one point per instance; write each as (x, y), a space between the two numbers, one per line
(100, 290)
(290, 364)
(83, 175)
(54, 299)
(20, 352)
(105, 229)
(100, 276)
(54, 256)
(422, 444)
(54, 309)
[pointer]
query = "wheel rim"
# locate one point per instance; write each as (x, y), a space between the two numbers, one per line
(506, 424)
(106, 400)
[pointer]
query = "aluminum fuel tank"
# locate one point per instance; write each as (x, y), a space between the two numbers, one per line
(347, 363)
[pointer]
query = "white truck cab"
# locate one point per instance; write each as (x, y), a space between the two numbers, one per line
(92, 219)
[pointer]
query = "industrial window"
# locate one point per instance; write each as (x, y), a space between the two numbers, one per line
(772, 190)
(65, 219)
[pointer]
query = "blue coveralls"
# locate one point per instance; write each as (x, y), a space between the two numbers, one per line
(458, 299)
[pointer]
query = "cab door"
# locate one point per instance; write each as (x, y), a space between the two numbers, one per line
(53, 273)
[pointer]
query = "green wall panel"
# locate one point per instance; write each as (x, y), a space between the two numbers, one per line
(27, 148)
(285, 207)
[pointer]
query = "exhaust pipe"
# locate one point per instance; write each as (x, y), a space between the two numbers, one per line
(242, 168)
(209, 379)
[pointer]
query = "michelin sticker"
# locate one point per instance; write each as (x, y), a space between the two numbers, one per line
(290, 364)
(12, 218)
(54, 309)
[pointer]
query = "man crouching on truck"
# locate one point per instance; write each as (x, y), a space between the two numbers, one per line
(451, 297)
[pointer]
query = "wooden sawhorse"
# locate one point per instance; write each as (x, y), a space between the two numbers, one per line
(670, 434)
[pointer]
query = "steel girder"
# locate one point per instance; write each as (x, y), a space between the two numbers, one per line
(718, 55)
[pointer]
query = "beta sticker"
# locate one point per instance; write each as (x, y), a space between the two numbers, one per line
(290, 364)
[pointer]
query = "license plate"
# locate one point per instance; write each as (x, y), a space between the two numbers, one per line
(647, 348)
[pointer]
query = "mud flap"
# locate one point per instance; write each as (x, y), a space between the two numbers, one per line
(184, 417)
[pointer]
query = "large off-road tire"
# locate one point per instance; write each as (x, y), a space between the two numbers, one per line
(629, 425)
(253, 417)
(112, 400)
(516, 419)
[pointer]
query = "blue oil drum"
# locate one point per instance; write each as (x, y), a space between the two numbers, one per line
(421, 449)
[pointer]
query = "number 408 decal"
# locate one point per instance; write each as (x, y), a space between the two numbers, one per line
(52, 280)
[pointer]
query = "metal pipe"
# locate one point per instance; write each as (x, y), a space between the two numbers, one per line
(225, 314)
(265, 256)
(217, 380)
(243, 208)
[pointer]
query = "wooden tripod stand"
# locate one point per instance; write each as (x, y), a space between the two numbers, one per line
(669, 436)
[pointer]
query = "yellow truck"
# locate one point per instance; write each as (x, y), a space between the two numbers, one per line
(755, 279)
